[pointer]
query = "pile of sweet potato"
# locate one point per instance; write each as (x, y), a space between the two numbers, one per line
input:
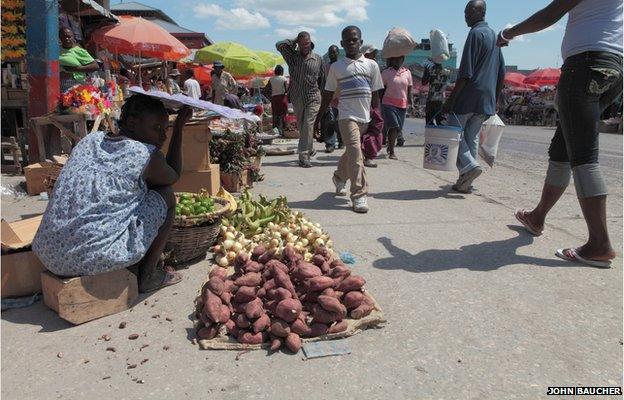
(280, 299)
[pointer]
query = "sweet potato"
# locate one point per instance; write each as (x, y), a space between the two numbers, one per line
(218, 272)
(323, 251)
(329, 292)
(241, 321)
(234, 331)
(254, 309)
(245, 294)
(325, 268)
(319, 314)
(332, 305)
(336, 262)
(353, 282)
(257, 252)
(229, 325)
(253, 266)
(267, 256)
(319, 283)
(241, 259)
(338, 327)
(276, 343)
(208, 333)
(261, 293)
(283, 280)
(293, 342)
(270, 284)
(288, 309)
(226, 297)
(272, 264)
(318, 260)
(310, 297)
(270, 306)
(353, 299)
(339, 270)
(250, 338)
(212, 306)
(306, 270)
(216, 285)
(300, 327)
(203, 317)
(290, 254)
(280, 328)
(361, 311)
(318, 329)
(250, 279)
(239, 307)
(225, 314)
(229, 286)
(282, 294)
(267, 274)
(262, 323)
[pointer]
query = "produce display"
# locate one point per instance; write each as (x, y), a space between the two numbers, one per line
(270, 223)
(190, 204)
(276, 300)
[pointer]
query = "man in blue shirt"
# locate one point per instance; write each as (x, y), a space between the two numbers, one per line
(479, 82)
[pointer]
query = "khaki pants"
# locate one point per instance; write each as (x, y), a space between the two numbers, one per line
(351, 164)
(306, 115)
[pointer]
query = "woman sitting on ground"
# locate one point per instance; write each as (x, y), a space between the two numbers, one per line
(113, 205)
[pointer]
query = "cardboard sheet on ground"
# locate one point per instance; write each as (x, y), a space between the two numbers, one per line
(226, 342)
(176, 101)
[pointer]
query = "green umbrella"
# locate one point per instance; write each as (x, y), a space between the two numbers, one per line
(237, 59)
(270, 59)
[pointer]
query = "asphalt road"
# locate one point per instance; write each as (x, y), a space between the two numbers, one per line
(476, 307)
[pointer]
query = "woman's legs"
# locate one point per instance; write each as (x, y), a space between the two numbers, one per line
(151, 272)
(393, 133)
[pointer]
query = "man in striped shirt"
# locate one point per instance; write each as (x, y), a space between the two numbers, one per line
(359, 81)
(307, 76)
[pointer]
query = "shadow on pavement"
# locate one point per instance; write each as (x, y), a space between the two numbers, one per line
(414, 194)
(486, 256)
(326, 201)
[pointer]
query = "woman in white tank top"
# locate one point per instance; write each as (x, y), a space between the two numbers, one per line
(591, 79)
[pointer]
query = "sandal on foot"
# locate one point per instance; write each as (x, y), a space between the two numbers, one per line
(170, 277)
(520, 215)
(572, 255)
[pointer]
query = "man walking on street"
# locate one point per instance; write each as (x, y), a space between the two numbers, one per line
(474, 98)
(359, 80)
(329, 122)
(438, 79)
(306, 78)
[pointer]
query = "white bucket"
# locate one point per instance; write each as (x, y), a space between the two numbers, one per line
(441, 147)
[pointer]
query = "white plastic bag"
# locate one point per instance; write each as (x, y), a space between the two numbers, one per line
(489, 138)
(439, 46)
(399, 42)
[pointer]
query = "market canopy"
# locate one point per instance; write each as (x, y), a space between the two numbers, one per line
(514, 79)
(136, 35)
(237, 59)
(270, 59)
(544, 77)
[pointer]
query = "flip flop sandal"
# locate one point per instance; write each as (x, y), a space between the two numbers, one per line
(170, 277)
(520, 216)
(572, 255)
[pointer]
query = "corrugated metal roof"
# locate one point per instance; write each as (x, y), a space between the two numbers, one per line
(132, 6)
(139, 9)
(169, 27)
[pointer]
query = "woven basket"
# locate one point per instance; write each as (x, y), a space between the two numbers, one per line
(191, 237)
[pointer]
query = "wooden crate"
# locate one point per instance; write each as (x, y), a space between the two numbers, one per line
(86, 298)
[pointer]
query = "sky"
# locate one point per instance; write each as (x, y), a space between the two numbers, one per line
(258, 24)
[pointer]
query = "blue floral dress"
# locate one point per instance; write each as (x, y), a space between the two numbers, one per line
(101, 217)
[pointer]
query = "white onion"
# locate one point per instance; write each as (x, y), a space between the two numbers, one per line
(222, 261)
(237, 247)
(227, 244)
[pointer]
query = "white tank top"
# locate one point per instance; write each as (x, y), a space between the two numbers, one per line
(278, 84)
(593, 25)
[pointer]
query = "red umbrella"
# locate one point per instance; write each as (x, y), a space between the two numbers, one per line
(514, 79)
(139, 36)
(544, 77)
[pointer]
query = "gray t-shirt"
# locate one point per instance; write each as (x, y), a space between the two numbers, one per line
(593, 25)
(482, 64)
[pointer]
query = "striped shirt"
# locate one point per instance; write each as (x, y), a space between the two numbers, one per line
(307, 74)
(356, 80)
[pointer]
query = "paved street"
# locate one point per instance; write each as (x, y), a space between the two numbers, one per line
(476, 308)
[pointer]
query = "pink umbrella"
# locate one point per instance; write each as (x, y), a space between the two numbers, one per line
(544, 77)
(514, 79)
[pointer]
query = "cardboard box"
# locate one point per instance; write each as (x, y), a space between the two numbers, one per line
(195, 146)
(21, 269)
(194, 181)
(36, 174)
(235, 183)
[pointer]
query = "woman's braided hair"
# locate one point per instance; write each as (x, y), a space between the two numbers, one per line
(139, 104)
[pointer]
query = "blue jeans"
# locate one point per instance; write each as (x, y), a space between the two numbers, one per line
(469, 143)
(329, 128)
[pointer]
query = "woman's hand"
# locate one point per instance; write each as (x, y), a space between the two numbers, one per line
(184, 115)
